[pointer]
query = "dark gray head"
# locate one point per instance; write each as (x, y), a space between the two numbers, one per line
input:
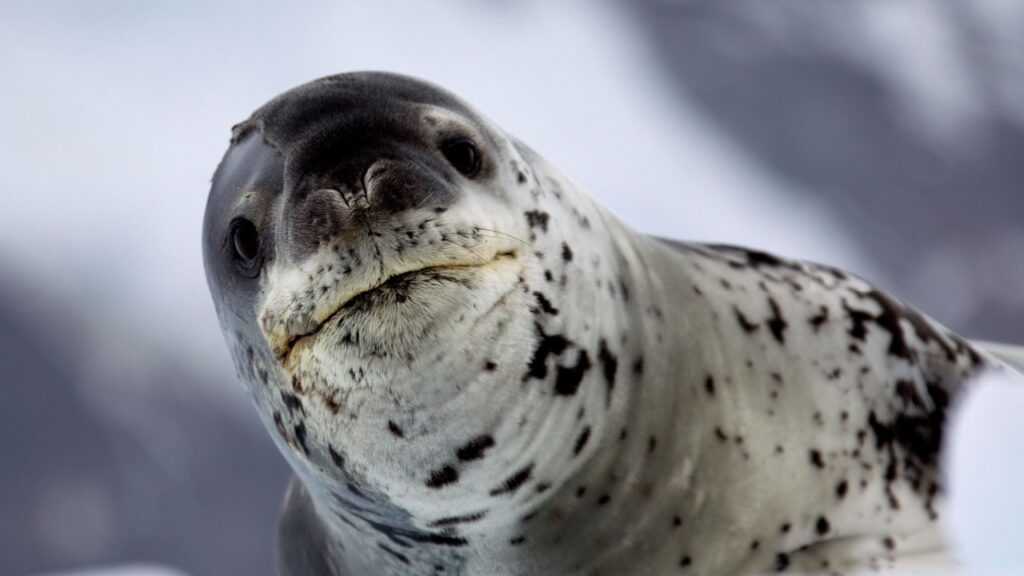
(337, 158)
(342, 161)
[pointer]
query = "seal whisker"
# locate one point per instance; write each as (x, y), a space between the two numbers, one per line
(503, 234)
(466, 248)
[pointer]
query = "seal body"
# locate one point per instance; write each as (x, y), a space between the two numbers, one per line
(473, 368)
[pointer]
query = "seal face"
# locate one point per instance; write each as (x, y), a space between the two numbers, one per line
(473, 368)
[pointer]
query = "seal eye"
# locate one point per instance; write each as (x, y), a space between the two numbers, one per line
(462, 154)
(246, 242)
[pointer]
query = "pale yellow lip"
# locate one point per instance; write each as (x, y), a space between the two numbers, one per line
(284, 356)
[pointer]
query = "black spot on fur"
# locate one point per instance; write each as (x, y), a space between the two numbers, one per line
(652, 444)
(280, 424)
(446, 540)
(395, 430)
(913, 440)
(816, 459)
(841, 489)
(455, 520)
(709, 385)
(820, 318)
(537, 219)
(756, 258)
(292, 402)
(547, 345)
(638, 366)
(781, 562)
(747, 326)
(336, 458)
(609, 366)
(475, 448)
(604, 499)
(566, 252)
(581, 441)
(397, 555)
(568, 379)
(859, 320)
(490, 366)
(545, 305)
(514, 482)
(517, 540)
(907, 392)
(332, 404)
(442, 477)
(300, 436)
(776, 323)
(822, 526)
(892, 312)
(403, 536)
(889, 320)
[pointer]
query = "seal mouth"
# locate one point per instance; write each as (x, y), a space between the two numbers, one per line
(396, 284)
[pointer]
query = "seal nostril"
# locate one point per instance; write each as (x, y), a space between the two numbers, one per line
(375, 171)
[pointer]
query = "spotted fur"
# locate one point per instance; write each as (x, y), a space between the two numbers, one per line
(491, 374)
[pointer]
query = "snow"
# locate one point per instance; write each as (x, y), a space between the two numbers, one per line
(985, 476)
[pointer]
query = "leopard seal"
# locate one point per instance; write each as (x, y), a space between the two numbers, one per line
(474, 368)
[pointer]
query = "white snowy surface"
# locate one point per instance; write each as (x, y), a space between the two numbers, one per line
(985, 460)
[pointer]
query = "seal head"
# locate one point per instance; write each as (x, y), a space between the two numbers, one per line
(377, 251)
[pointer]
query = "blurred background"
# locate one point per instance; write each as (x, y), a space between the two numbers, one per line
(883, 137)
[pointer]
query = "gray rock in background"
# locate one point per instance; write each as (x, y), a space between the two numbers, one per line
(179, 481)
(907, 117)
